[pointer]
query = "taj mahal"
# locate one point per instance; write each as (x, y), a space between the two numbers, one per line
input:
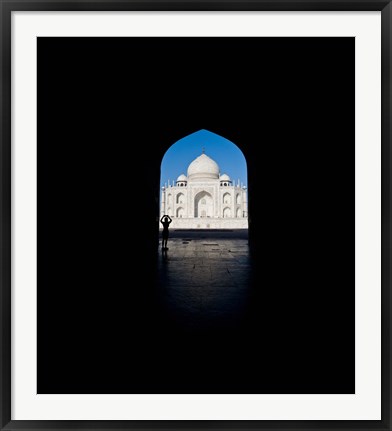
(205, 198)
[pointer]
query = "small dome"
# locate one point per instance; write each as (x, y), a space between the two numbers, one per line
(203, 168)
(225, 177)
(181, 178)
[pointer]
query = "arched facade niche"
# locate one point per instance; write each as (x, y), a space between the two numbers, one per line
(204, 205)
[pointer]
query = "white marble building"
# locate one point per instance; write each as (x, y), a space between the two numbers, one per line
(205, 199)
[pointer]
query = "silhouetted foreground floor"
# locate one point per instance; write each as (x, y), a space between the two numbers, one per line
(230, 329)
(204, 284)
(205, 316)
(204, 278)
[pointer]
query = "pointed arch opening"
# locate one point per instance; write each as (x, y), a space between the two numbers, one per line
(226, 212)
(180, 198)
(226, 198)
(203, 205)
(204, 183)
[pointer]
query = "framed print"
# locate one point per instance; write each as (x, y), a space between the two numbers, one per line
(195, 215)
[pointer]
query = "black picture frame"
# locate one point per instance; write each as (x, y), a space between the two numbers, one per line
(7, 7)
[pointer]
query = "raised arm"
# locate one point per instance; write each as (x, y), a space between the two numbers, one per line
(170, 220)
(162, 218)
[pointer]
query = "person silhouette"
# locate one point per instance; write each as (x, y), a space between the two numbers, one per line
(165, 220)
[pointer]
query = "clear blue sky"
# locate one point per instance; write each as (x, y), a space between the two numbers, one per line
(229, 157)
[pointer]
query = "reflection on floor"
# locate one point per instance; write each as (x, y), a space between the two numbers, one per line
(204, 278)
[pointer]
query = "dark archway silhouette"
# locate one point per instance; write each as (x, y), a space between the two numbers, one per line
(296, 131)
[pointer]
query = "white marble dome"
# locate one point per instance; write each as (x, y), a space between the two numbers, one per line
(225, 177)
(203, 168)
(182, 177)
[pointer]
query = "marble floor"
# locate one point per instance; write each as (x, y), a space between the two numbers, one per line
(204, 278)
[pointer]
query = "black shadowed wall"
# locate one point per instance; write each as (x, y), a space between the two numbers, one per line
(108, 109)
